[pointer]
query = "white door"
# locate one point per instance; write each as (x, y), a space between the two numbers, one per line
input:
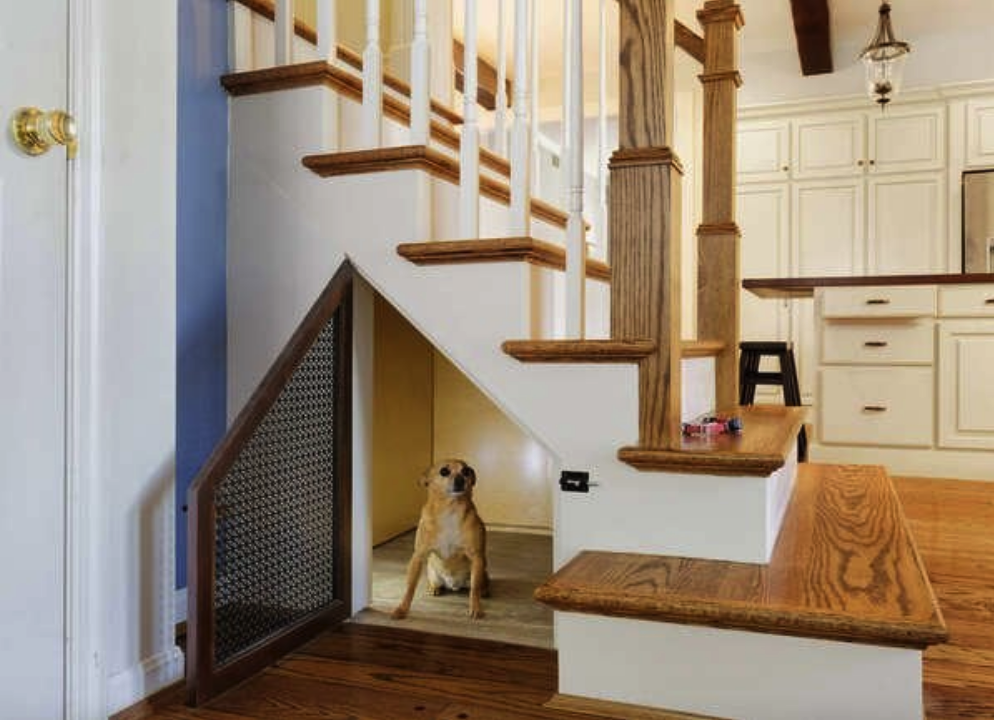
(33, 202)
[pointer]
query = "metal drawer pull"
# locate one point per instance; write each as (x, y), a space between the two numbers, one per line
(989, 301)
(878, 301)
(875, 344)
(874, 408)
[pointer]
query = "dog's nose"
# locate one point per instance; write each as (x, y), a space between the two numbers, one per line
(459, 484)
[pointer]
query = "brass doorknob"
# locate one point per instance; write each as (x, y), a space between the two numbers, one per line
(36, 131)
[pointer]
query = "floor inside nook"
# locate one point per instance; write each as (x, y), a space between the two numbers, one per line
(518, 563)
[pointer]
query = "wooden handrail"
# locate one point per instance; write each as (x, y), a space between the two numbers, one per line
(204, 677)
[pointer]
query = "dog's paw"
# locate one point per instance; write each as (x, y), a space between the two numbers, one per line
(435, 591)
(476, 613)
(399, 613)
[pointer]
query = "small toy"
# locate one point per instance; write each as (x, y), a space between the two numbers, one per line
(712, 425)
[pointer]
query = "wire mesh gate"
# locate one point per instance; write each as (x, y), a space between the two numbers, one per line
(269, 512)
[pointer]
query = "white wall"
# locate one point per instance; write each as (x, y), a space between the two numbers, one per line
(135, 345)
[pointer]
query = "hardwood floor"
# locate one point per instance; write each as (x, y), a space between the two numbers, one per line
(953, 526)
(373, 673)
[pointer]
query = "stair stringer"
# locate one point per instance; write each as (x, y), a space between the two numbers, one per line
(289, 230)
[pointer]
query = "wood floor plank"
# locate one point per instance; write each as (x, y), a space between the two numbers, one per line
(375, 673)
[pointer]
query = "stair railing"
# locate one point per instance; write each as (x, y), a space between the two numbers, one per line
(518, 57)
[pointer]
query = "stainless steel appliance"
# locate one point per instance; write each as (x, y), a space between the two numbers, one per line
(978, 222)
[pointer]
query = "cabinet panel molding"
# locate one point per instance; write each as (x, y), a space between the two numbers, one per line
(763, 151)
(906, 224)
(911, 140)
(980, 132)
(966, 394)
(829, 146)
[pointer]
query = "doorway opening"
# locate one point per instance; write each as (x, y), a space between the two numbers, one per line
(426, 410)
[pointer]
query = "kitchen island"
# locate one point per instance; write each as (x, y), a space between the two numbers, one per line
(904, 370)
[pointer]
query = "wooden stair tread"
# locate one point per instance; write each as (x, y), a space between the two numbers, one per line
(530, 250)
(768, 438)
(845, 568)
(578, 351)
(319, 72)
(598, 351)
(421, 157)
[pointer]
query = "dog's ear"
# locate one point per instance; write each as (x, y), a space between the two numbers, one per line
(470, 474)
(426, 477)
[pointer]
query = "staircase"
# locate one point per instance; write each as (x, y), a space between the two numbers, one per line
(700, 576)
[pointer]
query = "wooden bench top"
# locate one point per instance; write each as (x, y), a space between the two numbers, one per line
(845, 568)
(763, 447)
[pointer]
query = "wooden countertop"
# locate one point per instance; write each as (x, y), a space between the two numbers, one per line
(845, 568)
(801, 287)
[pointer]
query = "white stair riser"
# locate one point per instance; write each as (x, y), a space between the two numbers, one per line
(735, 674)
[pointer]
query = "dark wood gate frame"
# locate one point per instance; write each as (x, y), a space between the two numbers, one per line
(205, 680)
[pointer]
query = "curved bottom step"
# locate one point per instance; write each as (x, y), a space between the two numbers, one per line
(834, 626)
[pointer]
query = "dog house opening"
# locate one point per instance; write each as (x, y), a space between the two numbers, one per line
(443, 449)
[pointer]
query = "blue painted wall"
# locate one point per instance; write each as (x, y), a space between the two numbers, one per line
(202, 176)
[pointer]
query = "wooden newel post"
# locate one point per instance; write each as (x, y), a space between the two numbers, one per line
(645, 216)
(718, 246)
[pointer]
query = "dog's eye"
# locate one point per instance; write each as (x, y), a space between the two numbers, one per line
(445, 472)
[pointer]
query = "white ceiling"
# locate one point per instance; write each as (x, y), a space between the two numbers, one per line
(951, 41)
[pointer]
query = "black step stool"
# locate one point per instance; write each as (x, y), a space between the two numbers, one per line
(750, 376)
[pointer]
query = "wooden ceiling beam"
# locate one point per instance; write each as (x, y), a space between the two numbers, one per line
(812, 28)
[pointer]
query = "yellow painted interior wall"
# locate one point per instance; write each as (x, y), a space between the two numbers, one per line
(513, 487)
(402, 421)
(425, 410)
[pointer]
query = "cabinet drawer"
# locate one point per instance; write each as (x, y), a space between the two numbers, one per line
(907, 342)
(897, 301)
(877, 406)
(966, 301)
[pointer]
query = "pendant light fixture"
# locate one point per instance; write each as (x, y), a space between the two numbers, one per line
(884, 60)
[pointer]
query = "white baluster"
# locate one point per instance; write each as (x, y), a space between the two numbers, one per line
(602, 149)
(566, 118)
(420, 80)
(521, 142)
(536, 87)
(469, 146)
(372, 78)
(327, 31)
(284, 33)
(500, 98)
(576, 246)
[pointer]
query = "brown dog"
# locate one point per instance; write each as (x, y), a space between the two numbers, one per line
(451, 537)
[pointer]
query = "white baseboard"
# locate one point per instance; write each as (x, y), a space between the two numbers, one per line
(130, 686)
(911, 462)
(179, 606)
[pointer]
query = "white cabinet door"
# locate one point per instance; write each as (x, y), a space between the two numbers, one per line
(763, 151)
(980, 133)
(827, 232)
(906, 229)
(910, 140)
(829, 146)
(966, 393)
(828, 228)
(763, 217)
